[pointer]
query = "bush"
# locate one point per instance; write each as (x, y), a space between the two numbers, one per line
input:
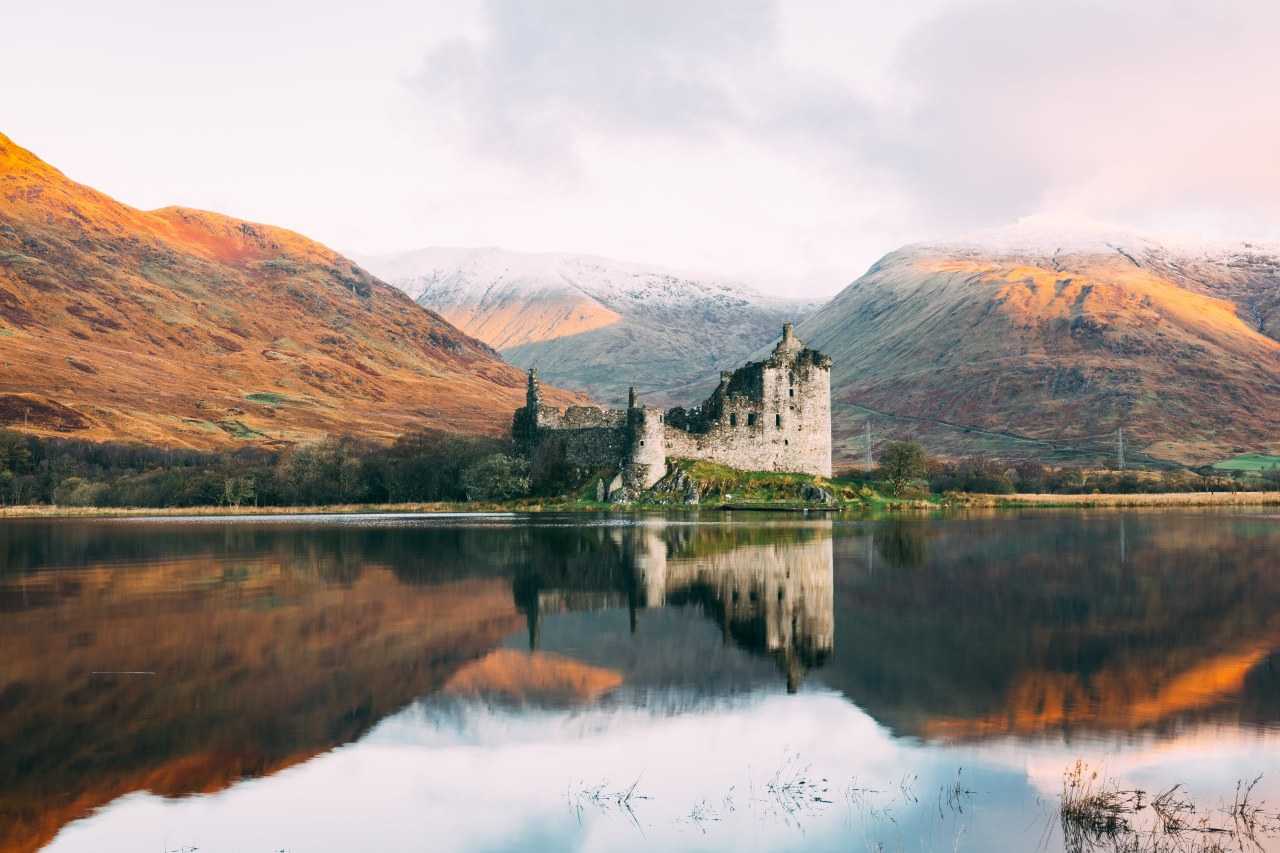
(550, 472)
(76, 491)
(495, 478)
(979, 474)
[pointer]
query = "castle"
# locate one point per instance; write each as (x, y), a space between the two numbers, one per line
(771, 415)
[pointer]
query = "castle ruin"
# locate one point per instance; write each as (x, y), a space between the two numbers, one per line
(771, 415)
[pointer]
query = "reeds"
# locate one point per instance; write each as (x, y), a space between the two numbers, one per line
(1097, 815)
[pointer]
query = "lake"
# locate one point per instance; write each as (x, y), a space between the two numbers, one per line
(700, 681)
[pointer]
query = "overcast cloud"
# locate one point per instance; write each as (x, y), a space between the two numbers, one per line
(788, 143)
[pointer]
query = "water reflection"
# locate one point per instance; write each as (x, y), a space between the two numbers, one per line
(182, 658)
(1073, 625)
(770, 594)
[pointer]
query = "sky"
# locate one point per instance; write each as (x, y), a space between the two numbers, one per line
(785, 144)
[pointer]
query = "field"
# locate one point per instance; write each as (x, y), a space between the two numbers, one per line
(1251, 462)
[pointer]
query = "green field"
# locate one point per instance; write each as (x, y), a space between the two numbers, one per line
(1252, 462)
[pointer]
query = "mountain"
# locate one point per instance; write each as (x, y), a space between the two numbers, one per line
(185, 328)
(591, 323)
(1043, 343)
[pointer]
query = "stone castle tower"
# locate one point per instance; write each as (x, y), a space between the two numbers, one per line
(771, 415)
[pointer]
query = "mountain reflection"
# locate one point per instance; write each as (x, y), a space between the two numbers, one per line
(1059, 624)
(178, 658)
(181, 657)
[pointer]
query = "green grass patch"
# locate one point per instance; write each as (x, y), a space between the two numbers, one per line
(207, 426)
(1250, 462)
(269, 398)
(240, 430)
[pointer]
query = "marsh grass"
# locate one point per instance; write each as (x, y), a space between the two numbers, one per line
(605, 800)
(1093, 808)
(1097, 815)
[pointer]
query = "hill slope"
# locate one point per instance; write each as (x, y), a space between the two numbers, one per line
(1061, 340)
(182, 327)
(591, 323)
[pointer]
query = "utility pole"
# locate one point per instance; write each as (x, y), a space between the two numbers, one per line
(868, 445)
(1120, 447)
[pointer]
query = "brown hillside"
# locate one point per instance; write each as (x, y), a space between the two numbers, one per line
(181, 327)
(1047, 354)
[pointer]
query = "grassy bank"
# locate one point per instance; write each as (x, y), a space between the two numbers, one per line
(1155, 499)
(47, 511)
(720, 489)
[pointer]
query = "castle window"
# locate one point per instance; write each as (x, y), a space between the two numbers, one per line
(791, 392)
(777, 421)
(751, 419)
(786, 441)
(733, 420)
(642, 442)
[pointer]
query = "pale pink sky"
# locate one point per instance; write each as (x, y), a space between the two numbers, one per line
(787, 143)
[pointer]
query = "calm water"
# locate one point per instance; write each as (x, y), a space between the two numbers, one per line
(759, 683)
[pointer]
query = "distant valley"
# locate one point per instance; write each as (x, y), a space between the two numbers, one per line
(594, 324)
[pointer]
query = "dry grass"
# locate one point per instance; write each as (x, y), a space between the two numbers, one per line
(1159, 499)
(1096, 815)
(190, 311)
(45, 511)
(1093, 807)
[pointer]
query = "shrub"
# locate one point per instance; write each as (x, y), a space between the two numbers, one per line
(496, 477)
(76, 491)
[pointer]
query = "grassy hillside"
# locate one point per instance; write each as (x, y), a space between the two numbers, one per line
(186, 328)
(1047, 355)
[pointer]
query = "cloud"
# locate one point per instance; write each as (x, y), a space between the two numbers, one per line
(1138, 111)
(546, 74)
(1106, 108)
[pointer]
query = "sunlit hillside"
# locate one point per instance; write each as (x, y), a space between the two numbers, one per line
(1047, 349)
(186, 328)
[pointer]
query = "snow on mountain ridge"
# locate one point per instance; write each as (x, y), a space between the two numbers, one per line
(479, 275)
(1047, 236)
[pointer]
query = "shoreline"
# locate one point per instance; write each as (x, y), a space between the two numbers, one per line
(975, 501)
(1151, 499)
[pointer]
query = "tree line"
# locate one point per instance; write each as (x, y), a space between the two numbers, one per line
(905, 469)
(422, 466)
(428, 466)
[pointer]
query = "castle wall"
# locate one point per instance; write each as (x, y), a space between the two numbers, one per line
(782, 425)
(591, 437)
(773, 415)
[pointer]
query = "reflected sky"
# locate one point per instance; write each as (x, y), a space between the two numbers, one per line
(500, 683)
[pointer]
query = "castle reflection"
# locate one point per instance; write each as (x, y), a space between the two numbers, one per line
(770, 594)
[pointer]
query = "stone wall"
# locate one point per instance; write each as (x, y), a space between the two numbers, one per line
(771, 415)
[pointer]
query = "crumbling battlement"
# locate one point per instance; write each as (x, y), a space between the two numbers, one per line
(771, 415)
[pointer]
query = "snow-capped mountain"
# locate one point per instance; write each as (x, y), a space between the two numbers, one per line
(1045, 341)
(592, 323)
